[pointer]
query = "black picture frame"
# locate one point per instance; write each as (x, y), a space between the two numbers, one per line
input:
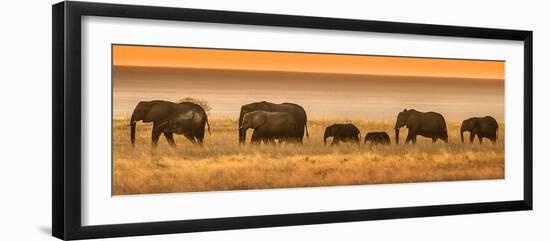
(66, 76)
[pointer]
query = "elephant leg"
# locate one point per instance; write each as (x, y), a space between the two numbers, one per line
(255, 139)
(413, 139)
(335, 141)
(409, 139)
(155, 135)
(287, 140)
(199, 133)
(434, 139)
(480, 139)
(190, 137)
(299, 140)
(472, 136)
(170, 138)
(200, 139)
(267, 140)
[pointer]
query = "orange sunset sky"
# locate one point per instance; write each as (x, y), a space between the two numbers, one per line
(173, 57)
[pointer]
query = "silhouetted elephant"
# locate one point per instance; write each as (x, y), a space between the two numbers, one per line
(269, 126)
(296, 111)
(377, 138)
(168, 118)
(342, 133)
(482, 127)
(427, 124)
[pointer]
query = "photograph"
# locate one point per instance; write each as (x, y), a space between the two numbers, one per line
(191, 119)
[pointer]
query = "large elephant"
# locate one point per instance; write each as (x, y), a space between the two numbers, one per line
(294, 110)
(427, 124)
(481, 127)
(269, 126)
(342, 133)
(168, 118)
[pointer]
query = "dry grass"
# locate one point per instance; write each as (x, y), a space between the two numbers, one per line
(221, 164)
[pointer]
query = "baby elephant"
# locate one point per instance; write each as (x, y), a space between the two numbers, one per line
(343, 133)
(377, 138)
(269, 126)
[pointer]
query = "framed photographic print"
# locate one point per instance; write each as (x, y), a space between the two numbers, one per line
(170, 120)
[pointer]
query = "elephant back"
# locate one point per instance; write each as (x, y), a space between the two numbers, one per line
(159, 112)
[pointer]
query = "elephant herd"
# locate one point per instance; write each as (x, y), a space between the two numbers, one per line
(287, 122)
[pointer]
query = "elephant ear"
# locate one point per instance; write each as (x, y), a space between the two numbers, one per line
(475, 124)
(258, 120)
(468, 124)
(404, 114)
(409, 119)
(157, 112)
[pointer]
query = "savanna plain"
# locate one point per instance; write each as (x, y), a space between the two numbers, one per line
(221, 164)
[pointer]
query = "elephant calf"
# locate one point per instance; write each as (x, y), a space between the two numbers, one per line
(269, 126)
(188, 124)
(482, 127)
(377, 138)
(342, 133)
(297, 111)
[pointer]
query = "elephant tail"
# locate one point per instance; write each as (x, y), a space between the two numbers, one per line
(208, 124)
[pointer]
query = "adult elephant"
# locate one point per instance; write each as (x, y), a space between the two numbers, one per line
(427, 124)
(186, 118)
(269, 126)
(342, 133)
(294, 110)
(482, 127)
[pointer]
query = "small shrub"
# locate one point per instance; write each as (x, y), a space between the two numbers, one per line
(202, 102)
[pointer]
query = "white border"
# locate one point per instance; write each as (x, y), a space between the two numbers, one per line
(100, 208)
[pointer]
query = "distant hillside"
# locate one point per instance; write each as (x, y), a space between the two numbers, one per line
(140, 76)
(323, 95)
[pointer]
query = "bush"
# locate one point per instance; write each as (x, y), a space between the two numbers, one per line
(202, 102)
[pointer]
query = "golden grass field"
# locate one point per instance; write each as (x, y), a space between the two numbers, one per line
(221, 164)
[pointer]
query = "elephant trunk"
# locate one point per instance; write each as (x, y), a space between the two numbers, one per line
(133, 132)
(396, 135)
(242, 133)
(462, 130)
(326, 135)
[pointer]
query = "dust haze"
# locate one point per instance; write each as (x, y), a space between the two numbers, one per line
(322, 95)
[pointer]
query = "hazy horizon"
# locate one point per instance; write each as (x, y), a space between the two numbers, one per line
(322, 95)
